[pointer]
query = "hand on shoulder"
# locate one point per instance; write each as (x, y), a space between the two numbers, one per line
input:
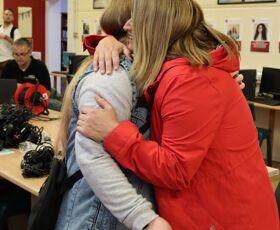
(107, 55)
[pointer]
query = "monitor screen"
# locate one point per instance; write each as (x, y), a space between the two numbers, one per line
(270, 82)
(250, 83)
(74, 63)
(65, 58)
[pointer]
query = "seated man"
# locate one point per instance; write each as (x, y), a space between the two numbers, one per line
(24, 65)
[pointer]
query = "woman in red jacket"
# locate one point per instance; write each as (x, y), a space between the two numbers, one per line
(203, 158)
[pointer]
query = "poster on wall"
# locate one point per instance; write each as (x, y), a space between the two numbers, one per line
(97, 27)
(85, 27)
(99, 4)
(279, 43)
(212, 23)
(233, 28)
(260, 35)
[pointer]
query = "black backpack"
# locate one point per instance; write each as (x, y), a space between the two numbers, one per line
(45, 211)
(12, 33)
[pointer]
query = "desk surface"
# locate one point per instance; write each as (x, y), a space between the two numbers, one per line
(272, 117)
(260, 105)
(10, 164)
(59, 73)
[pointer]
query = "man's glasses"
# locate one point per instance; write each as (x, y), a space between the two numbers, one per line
(18, 55)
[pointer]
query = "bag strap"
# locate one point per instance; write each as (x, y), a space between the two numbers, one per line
(70, 181)
(12, 34)
(144, 128)
(151, 90)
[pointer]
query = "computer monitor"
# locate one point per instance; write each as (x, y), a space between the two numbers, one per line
(74, 62)
(65, 58)
(270, 82)
(7, 90)
(250, 78)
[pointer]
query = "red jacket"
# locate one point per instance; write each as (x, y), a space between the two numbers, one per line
(204, 159)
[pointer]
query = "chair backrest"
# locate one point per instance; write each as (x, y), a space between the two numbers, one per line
(250, 83)
(277, 196)
(252, 108)
(74, 62)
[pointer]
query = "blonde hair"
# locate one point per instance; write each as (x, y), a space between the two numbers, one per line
(112, 22)
(168, 29)
(61, 139)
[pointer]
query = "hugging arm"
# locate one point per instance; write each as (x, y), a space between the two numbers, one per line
(108, 50)
(177, 158)
(99, 169)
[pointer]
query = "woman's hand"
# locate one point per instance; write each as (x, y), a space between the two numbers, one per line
(107, 55)
(238, 78)
(97, 124)
(159, 224)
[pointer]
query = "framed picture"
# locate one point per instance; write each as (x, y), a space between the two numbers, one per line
(220, 2)
(99, 4)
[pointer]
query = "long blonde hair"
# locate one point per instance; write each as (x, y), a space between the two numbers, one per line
(112, 22)
(168, 29)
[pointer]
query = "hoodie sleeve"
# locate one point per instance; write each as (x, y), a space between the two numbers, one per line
(101, 172)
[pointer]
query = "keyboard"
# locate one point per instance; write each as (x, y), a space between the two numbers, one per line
(267, 101)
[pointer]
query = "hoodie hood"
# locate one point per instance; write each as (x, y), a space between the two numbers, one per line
(91, 41)
(221, 60)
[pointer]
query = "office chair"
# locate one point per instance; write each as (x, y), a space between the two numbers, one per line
(3, 216)
(74, 63)
(263, 134)
(250, 83)
(277, 196)
(249, 92)
(55, 103)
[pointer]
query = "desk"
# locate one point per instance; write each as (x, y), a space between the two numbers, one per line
(10, 164)
(274, 176)
(272, 116)
(56, 75)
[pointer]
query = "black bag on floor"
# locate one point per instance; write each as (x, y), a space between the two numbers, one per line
(44, 213)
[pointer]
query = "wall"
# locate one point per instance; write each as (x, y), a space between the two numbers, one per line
(53, 36)
(38, 27)
(246, 13)
(1, 10)
(25, 23)
(77, 15)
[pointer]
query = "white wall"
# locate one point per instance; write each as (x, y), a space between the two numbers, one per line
(1, 10)
(82, 12)
(53, 34)
(25, 23)
(71, 25)
(54, 8)
(64, 6)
